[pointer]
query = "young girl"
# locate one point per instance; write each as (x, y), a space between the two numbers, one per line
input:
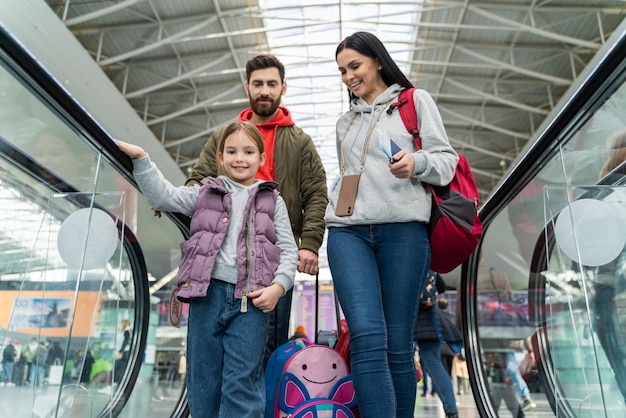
(240, 259)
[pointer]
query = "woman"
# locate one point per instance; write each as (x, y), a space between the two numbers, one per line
(123, 348)
(378, 248)
(429, 343)
(609, 287)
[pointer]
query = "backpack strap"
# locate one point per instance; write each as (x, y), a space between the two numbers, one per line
(408, 113)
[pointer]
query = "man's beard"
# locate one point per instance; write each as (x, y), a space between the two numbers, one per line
(264, 111)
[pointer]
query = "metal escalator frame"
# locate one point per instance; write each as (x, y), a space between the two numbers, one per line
(601, 82)
(25, 68)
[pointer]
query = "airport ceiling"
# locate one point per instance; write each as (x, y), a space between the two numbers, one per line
(495, 68)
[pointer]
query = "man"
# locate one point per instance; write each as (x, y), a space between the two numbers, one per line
(447, 355)
(8, 359)
(37, 370)
(56, 355)
(292, 161)
(29, 354)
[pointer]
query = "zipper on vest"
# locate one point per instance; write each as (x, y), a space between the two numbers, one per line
(244, 298)
(244, 302)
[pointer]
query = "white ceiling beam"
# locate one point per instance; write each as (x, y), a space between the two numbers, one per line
(174, 80)
(101, 12)
(163, 281)
(485, 173)
(548, 7)
(229, 41)
(189, 109)
(493, 98)
(153, 23)
(155, 45)
(430, 44)
(199, 135)
(458, 144)
(516, 69)
(487, 78)
(489, 126)
(534, 30)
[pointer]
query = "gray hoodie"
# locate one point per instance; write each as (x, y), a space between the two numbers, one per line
(381, 197)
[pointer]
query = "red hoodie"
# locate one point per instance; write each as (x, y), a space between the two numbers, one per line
(268, 130)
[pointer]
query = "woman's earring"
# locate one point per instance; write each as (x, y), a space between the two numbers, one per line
(380, 67)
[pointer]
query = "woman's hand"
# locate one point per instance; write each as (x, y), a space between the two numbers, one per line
(133, 151)
(403, 166)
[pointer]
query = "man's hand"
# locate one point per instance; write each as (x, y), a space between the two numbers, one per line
(308, 262)
(266, 299)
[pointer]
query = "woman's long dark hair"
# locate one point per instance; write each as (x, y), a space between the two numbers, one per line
(369, 45)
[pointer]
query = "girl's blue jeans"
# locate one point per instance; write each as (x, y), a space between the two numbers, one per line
(377, 272)
(225, 350)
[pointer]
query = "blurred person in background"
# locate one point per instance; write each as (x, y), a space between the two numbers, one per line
(8, 360)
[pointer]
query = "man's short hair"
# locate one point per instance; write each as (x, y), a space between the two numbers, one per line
(263, 61)
(442, 303)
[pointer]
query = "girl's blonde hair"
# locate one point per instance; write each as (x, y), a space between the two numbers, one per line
(616, 144)
(249, 129)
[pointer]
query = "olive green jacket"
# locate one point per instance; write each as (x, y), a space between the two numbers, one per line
(301, 179)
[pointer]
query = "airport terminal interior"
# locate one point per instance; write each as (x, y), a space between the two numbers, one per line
(531, 92)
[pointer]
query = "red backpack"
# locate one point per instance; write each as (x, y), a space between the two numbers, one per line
(454, 228)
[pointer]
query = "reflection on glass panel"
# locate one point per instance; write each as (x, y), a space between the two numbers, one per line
(52, 146)
(572, 319)
(502, 310)
(61, 302)
(585, 296)
(505, 332)
(21, 115)
(580, 161)
(59, 290)
(161, 378)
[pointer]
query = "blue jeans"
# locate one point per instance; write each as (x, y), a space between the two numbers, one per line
(225, 355)
(430, 356)
(7, 371)
(512, 370)
(377, 273)
(36, 374)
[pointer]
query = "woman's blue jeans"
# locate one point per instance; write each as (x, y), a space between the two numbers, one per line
(512, 370)
(225, 355)
(377, 273)
(430, 357)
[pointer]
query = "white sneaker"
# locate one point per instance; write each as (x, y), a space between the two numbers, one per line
(528, 405)
(105, 390)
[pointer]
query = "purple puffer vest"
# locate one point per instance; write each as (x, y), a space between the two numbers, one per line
(258, 255)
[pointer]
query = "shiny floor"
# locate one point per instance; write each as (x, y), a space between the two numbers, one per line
(159, 401)
(431, 407)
